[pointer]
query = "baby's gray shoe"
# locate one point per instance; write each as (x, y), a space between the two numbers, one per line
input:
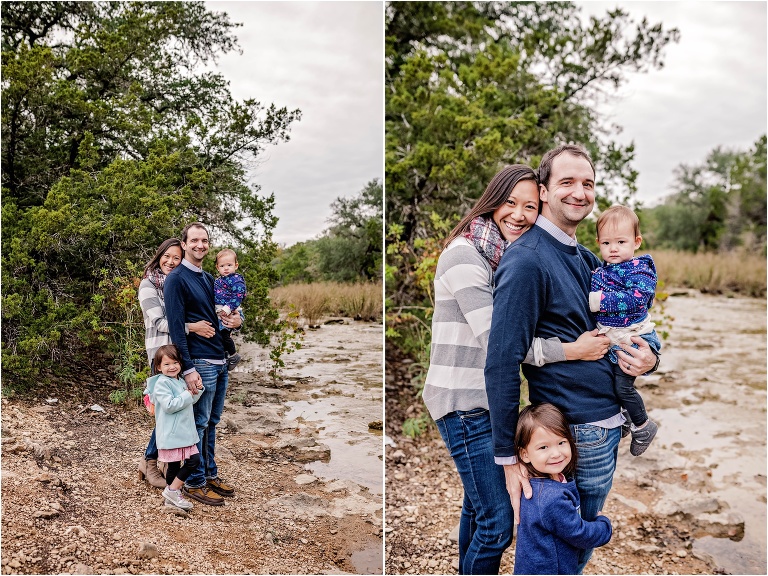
(625, 428)
(232, 361)
(642, 437)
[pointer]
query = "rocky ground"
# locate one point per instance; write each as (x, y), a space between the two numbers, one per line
(668, 507)
(72, 501)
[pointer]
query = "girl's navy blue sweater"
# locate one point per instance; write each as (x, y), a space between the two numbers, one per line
(552, 533)
(542, 289)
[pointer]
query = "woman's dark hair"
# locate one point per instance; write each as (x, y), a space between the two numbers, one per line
(496, 193)
(154, 264)
(546, 416)
(169, 350)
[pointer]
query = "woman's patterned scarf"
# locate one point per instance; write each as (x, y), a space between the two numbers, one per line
(157, 277)
(487, 238)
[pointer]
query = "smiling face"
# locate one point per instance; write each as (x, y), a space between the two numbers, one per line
(196, 247)
(617, 241)
(170, 259)
(570, 195)
(548, 452)
(170, 367)
(519, 212)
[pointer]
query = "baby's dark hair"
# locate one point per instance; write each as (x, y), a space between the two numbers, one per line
(169, 350)
(543, 416)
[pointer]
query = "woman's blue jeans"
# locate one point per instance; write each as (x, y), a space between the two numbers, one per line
(485, 530)
(598, 450)
(151, 452)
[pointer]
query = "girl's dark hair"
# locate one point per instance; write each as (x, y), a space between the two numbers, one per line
(154, 264)
(496, 193)
(169, 350)
(543, 416)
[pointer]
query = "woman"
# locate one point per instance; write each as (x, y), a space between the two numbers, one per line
(454, 391)
(167, 257)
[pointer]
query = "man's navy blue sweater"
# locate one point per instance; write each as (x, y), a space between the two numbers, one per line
(542, 289)
(188, 298)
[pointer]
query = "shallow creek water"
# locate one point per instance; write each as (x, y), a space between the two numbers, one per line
(336, 382)
(709, 398)
(346, 370)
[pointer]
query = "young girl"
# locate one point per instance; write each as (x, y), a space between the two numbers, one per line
(551, 531)
(174, 424)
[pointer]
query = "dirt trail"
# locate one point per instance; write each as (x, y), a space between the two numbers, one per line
(71, 501)
(694, 503)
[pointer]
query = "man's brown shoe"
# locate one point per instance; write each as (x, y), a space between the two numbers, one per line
(218, 486)
(204, 495)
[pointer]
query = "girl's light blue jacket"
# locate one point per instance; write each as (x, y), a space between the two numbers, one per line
(174, 417)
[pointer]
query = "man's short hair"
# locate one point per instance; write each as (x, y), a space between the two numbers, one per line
(545, 166)
(193, 225)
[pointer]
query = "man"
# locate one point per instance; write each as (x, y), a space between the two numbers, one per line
(188, 295)
(542, 286)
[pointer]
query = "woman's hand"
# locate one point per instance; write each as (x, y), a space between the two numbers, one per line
(636, 361)
(588, 346)
(516, 477)
(202, 328)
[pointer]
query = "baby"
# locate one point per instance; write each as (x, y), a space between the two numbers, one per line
(229, 291)
(622, 292)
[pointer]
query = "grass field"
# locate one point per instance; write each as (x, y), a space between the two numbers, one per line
(727, 273)
(361, 301)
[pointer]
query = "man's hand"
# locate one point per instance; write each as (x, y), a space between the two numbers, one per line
(194, 382)
(516, 477)
(233, 321)
(588, 346)
(636, 361)
(202, 328)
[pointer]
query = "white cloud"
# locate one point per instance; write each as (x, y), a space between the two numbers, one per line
(711, 91)
(325, 58)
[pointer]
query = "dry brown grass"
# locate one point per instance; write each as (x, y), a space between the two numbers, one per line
(361, 301)
(727, 273)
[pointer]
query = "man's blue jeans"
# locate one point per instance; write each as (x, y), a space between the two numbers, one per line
(485, 530)
(207, 415)
(598, 450)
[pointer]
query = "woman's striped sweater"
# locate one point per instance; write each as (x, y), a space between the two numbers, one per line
(460, 327)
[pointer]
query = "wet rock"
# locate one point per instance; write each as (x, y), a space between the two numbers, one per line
(724, 525)
(694, 506)
(304, 449)
(148, 550)
(629, 503)
(303, 479)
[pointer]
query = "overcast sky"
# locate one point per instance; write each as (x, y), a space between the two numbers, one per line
(711, 91)
(325, 58)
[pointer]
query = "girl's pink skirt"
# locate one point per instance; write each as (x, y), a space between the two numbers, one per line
(176, 454)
